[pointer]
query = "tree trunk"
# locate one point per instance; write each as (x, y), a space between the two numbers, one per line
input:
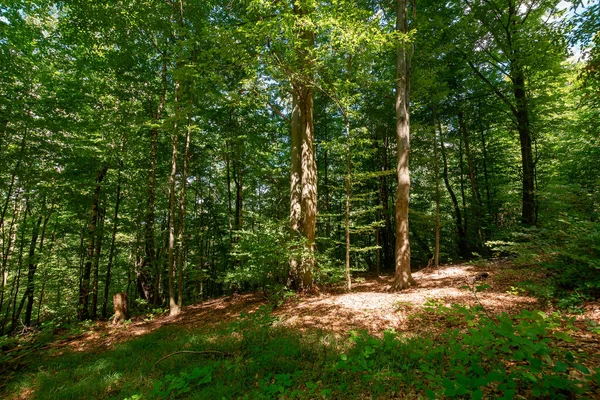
(463, 248)
(528, 167)
(29, 291)
(111, 251)
(96, 265)
(436, 256)
(348, 177)
(173, 307)
(403, 278)
(303, 185)
(475, 195)
(84, 292)
(12, 234)
(181, 226)
(146, 288)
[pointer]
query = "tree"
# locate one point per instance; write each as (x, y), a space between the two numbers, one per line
(402, 278)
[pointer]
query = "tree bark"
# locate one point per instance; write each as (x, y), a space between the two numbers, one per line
(96, 264)
(146, 289)
(303, 186)
(173, 307)
(436, 256)
(181, 225)
(29, 291)
(347, 221)
(111, 251)
(463, 248)
(84, 292)
(528, 167)
(403, 278)
(475, 195)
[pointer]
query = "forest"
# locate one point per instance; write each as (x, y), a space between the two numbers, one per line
(299, 199)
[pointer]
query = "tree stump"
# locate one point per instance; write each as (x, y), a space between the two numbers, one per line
(120, 306)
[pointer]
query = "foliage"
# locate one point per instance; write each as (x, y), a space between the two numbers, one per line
(501, 358)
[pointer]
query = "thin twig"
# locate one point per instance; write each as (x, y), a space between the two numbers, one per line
(194, 352)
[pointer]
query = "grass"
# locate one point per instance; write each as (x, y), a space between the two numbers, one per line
(473, 357)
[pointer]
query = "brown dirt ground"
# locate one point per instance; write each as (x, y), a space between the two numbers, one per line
(369, 306)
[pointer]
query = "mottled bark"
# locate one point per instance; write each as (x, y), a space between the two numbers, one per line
(303, 186)
(403, 277)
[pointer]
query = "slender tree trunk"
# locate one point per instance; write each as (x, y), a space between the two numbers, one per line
(14, 294)
(462, 191)
(485, 174)
(13, 177)
(475, 195)
(173, 307)
(403, 277)
(41, 300)
(96, 264)
(12, 234)
(30, 277)
(33, 265)
(111, 251)
(528, 167)
(436, 256)
(463, 248)
(348, 177)
(84, 293)
(146, 289)
(181, 226)
(327, 192)
(386, 235)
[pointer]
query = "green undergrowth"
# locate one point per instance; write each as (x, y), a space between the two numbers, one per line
(257, 358)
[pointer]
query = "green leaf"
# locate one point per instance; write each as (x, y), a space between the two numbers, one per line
(581, 368)
(564, 336)
(560, 367)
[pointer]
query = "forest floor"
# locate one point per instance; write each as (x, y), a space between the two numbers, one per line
(368, 307)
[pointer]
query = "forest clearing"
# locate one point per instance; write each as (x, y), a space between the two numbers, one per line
(300, 199)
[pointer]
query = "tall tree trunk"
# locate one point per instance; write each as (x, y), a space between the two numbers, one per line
(436, 256)
(403, 277)
(181, 225)
(84, 292)
(386, 232)
(96, 264)
(147, 290)
(528, 167)
(462, 190)
(303, 189)
(173, 307)
(463, 248)
(12, 234)
(347, 221)
(14, 291)
(33, 265)
(13, 177)
(475, 195)
(485, 175)
(28, 295)
(111, 251)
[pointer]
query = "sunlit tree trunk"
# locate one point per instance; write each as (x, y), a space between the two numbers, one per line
(303, 186)
(403, 277)
(111, 251)
(348, 177)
